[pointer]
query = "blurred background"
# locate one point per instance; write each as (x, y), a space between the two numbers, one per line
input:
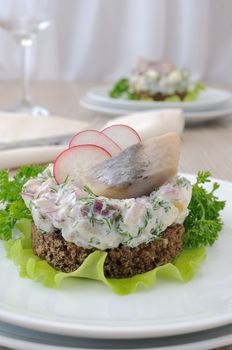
(90, 40)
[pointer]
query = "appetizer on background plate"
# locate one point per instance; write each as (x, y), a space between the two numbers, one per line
(157, 81)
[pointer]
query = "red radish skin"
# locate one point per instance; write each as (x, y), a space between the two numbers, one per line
(77, 159)
(97, 138)
(123, 135)
(27, 194)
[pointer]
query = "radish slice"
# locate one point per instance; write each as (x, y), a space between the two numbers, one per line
(27, 197)
(77, 159)
(97, 138)
(123, 135)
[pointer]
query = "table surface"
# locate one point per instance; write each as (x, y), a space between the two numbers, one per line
(205, 146)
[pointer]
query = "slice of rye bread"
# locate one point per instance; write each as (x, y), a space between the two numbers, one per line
(120, 262)
(161, 97)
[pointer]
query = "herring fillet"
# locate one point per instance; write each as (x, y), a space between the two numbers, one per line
(138, 170)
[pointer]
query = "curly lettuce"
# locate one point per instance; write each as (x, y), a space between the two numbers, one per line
(30, 266)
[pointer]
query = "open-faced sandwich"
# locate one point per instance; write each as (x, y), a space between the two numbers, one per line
(112, 193)
(157, 81)
(130, 205)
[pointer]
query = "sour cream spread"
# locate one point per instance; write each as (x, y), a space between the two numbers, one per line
(92, 221)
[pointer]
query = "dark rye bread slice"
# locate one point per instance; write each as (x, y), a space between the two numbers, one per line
(161, 97)
(120, 262)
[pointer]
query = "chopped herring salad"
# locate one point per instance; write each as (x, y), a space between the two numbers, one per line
(92, 221)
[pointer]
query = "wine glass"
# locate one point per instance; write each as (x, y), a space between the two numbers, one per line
(24, 19)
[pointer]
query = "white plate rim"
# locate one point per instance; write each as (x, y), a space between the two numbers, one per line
(104, 332)
(19, 344)
(190, 117)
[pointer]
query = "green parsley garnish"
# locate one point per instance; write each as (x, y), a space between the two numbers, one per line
(122, 90)
(88, 190)
(13, 206)
(203, 223)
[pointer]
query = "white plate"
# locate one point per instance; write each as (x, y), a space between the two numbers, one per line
(190, 117)
(88, 309)
(23, 339)
(208, 99)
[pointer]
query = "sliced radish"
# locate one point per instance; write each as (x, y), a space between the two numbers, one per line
(27, 197)
(97, 138)
(77, 159)
(123, 135)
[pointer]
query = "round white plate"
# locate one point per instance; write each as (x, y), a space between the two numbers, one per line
(23, 339)
(89, 309)
(190, 117)
(208, 99)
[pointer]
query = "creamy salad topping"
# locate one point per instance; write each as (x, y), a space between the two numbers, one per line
(152, 81)
(92, 221)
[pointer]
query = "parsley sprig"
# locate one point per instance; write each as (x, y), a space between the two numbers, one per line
(122, 89)
(13, 206)
(203, 223)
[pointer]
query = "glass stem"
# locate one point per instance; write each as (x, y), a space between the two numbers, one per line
(26, 98)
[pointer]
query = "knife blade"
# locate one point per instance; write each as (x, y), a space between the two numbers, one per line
(44, 141)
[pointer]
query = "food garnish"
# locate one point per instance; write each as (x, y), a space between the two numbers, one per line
(11, 203)
(203, 223)
(77, 159)
(96, 138)
(123, 135)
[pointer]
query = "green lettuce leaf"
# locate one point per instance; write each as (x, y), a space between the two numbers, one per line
(193, 94)
(30, 266)
(174, 98)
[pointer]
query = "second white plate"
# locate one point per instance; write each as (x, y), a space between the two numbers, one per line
(190, 117)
